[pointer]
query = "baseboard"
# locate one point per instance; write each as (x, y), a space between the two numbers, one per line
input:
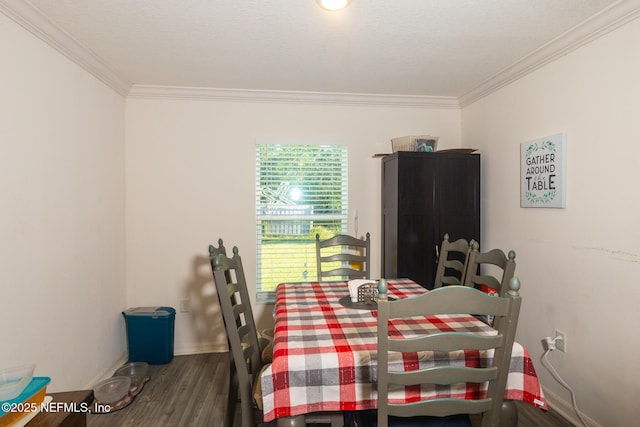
(565, 409)
(201, 348)
(108, 373)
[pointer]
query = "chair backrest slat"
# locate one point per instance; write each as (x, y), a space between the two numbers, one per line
(441, 408)
(446, 341)
(444, 375)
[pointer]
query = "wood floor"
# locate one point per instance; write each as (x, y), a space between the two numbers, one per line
(192, 391)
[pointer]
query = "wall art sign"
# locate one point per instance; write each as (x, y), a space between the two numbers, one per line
(542, 172)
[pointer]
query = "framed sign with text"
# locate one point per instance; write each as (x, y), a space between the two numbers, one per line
(542, 172)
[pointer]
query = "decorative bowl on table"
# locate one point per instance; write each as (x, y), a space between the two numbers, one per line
(14, 380)
(137, 371)
(112, 389)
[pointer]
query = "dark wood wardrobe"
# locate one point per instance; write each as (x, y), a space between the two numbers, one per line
(424, 196)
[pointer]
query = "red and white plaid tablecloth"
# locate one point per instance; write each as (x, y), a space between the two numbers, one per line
(325, 354)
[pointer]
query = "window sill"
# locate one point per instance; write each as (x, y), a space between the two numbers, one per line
(266, 297)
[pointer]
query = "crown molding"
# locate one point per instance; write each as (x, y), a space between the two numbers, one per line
(200, 93)
(598, 25)
(34, 21)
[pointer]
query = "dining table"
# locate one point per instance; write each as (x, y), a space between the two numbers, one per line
(324, 353)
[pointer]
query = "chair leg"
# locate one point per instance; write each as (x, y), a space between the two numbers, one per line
(337, 420)
(509, 414)
(233, 392)
(248, 414)
(297, 421)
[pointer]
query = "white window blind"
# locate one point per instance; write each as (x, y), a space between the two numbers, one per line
(301, 190)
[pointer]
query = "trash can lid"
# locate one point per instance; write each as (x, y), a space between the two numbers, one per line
(149, 311)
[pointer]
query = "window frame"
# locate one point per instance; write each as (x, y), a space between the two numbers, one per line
(297, 218)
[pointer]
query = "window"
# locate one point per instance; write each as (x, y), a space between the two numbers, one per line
(301, 190)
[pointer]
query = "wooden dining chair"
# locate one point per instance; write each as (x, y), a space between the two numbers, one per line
(447, 411)
(266, 346)
(233, 373)
(452, 262)
(481, 264)
(237, 315)
(343, 256)
(239, 323)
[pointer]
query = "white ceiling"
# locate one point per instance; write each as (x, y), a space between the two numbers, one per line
(439, 48)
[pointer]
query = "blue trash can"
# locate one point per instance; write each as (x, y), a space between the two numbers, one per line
(150, 334)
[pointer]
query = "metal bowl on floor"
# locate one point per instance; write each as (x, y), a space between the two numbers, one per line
(112, 389)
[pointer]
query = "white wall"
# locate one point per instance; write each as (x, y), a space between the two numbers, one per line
(190, 168)
(62, 214)
(579, 266)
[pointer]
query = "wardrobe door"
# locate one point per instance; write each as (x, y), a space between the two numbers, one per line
(458, 197)
(417, 215)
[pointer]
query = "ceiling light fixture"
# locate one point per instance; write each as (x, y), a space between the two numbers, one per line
(333, 4)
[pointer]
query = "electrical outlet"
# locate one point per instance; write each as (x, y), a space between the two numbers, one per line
(561, 341)
(185, 306)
